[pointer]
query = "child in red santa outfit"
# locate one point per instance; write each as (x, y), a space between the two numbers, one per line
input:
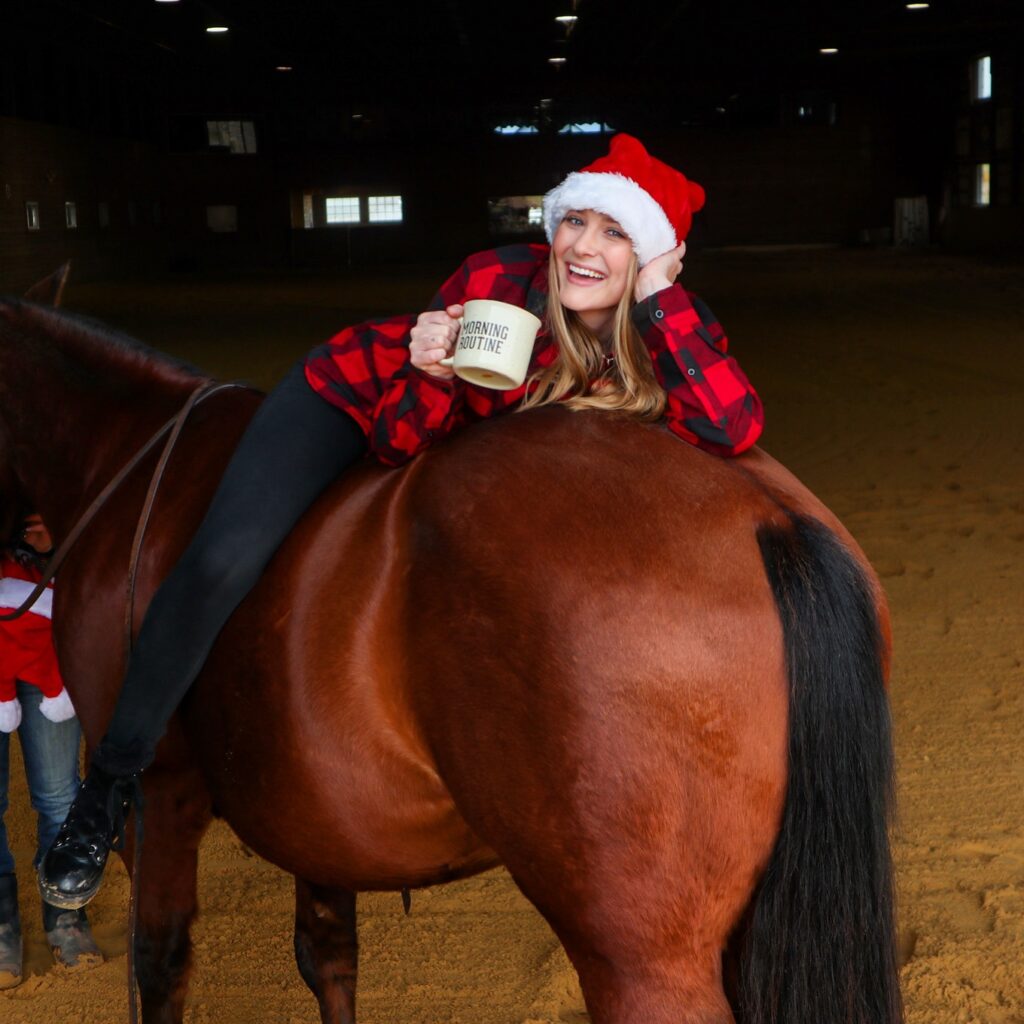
(33, 701)
(618, 333)
(26, 643)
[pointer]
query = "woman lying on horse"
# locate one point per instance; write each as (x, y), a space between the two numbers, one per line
(619, 334)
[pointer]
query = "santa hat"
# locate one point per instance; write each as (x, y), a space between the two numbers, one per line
(26, 649)
(654, 203)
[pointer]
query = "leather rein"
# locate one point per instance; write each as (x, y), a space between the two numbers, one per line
(171, 429)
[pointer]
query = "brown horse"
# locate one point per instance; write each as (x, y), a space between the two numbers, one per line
(648, 681)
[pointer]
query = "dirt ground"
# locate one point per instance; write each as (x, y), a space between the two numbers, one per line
(894, 386)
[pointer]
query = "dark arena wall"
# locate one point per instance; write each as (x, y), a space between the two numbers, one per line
(819, 154)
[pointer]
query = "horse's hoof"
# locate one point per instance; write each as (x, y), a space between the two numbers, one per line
(10, 954)
(71, 940)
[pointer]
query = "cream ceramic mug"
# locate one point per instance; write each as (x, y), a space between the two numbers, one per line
(495, 344)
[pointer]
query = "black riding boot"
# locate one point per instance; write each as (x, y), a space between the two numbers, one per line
(10, 933)
(72, 868)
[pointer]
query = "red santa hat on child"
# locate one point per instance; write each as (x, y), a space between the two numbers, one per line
(653, 202)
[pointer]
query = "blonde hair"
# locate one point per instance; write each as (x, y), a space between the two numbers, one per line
(581, 378)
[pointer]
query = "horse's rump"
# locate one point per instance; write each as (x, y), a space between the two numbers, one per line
(539, 589)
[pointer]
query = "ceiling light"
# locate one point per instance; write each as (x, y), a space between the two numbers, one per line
(917, 7)
(166, 1)
(828, 49)
(556, 60)
(283, 67)
(567, 19)
(216, 28)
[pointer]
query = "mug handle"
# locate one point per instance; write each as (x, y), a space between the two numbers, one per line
(448, 360)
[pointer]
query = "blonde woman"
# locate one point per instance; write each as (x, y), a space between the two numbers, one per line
(619, 334)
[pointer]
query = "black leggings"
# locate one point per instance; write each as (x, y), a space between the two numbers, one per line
(296, 444)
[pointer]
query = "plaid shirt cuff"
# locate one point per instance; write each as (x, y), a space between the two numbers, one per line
(710, 401)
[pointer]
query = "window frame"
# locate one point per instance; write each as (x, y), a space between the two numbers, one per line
(982, 185)
(346, 222)
(388, 206)
(981, 72)
(369, 215)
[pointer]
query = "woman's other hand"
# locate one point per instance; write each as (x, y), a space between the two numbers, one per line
(660, 273)
(433, 339)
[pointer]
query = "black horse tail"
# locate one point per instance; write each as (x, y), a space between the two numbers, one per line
(820, 942)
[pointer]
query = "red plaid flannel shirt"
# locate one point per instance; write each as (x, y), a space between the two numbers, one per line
(366, 371)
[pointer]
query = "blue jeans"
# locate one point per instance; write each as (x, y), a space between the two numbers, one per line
(50, 752)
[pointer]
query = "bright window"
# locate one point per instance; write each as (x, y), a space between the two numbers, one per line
(384, 209)
(586, 128)
(981, 79)
(70, 215)
(515, 214)
(516, 129)
(234, 136)
(32, 216)
(342, 209)
(982, 184)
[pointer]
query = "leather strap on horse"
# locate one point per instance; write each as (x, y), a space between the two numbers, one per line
(176, 425)
(172, 428)
(173, 425)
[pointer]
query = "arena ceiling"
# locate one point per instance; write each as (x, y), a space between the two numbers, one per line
(481, 52)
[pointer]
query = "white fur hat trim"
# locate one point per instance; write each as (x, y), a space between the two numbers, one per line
(59, 708)
(10, 715)
(639, 214)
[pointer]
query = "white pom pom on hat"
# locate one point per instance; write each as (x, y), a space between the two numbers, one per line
(653, 203)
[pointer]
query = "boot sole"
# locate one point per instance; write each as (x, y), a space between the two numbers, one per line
(67, 901)
(8, 979)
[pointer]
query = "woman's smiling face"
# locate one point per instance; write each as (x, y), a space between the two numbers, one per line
(592, 258)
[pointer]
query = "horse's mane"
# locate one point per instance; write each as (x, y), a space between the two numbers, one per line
(95, 342)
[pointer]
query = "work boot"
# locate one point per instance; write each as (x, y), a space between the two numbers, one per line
(72, 868)
(70, 938)
(10, 933)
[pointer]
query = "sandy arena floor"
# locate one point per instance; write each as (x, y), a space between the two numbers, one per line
(894, 385)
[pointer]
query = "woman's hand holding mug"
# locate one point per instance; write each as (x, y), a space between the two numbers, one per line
(433, 339)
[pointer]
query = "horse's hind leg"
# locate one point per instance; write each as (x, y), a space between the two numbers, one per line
(177, 813)
(640, 990)
(326, 948)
